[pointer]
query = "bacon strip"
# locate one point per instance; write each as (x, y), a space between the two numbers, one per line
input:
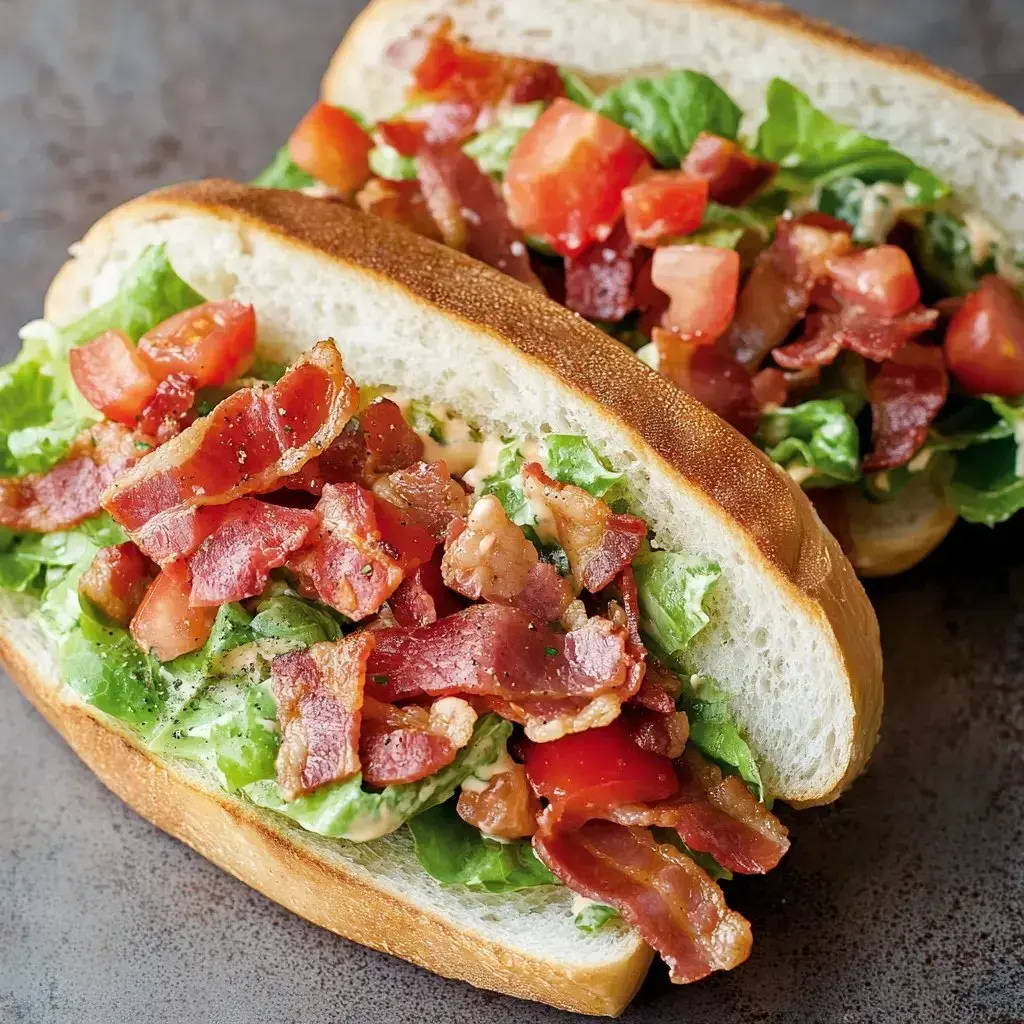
(170, 409)
(427, 491)
(319, 694)
(660, 891)
(252, 440)
(400, 202)
(73, 490)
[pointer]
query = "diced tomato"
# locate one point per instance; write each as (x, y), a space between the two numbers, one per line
(166, 624)
(112, 376)
(880, 279)
(566, 175)
(733, 176)
(665, 203)
(985, 340)
(212, 342)
(600, 766)
(329, 144)
(117, 581)
(702, 283)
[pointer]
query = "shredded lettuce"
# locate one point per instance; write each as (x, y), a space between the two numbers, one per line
(816, 441)
(282, 172)
(672, 591)
(492, 148)
(456, 853)
(595, 916)
(387, 162)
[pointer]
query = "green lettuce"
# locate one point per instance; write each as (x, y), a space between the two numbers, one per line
(456, 853)
(817, 441)
(282, 172)
(387, 162)
(572, 459)
(505, 484)
(577, 90)
(492, 148)
(946, 256)
(285, 617)
(595, 916)
(672, 591)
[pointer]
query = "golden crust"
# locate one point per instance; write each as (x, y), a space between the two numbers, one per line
(225, 832)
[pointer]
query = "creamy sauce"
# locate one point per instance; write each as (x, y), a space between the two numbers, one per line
(486, 463)
(880, 209)
(648, 354)
(580, 903)
(363, 830)
(920, 461)
(480, 778)
(245, 660)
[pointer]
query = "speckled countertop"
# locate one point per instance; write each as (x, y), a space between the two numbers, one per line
(903, 903)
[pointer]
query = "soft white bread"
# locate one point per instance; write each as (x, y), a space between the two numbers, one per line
(947, 124)
(793, 638)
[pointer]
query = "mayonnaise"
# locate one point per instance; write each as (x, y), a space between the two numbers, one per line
(363, 830)
(480, 778)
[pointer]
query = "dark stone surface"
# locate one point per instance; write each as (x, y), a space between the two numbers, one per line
(903, 903)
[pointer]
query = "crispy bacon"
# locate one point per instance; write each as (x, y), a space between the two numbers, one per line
(170, 409)
(422, 597)
(117, 581)
(905, 395)
(344, 461)
(489, 558)
(506, 807)
(253, 537)
(361, 552)
(657, 732)
(660, 891)
(547, 720)
(659, 690)
(427, 492)
(72, 491)
(599, 281)
(499, 651)
(391, 443)
(598, 542)
(253, 439)
(319, 694)
(732, 176)
(400, 202)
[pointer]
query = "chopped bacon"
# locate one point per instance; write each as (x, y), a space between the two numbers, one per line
(117, 581)
(170, 409)
(253, 537)
(598, 542)
(905, 395)
(422, 597)
(319, 694)
(361, 552)
(429, 124)
(172, 536)
(658, 691)
(658, 733)
(400, 745)
(599, 281)
(400, 202)
(505, 808)
(489, 558)
(874, 337)
(73, 490)
(390, 442)
(499, 651)
(545, 721)
(166, 625)
(427, 492)
(470, 212)
(253, 439)
(345, 461)
(732, 175)
(660, 891)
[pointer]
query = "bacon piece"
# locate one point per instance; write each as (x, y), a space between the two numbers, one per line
(343, 462)
(489, 558)
(599, 281)
(400, 202)
(252, 440)
(117, 581)
(62, 497)
(598, 542)
(905, 395)
(874, 337)
(506, 807)
(400, 745)
(659, 690)
(319, 694)
(428, 493)
(470, 212)
(169, 410)
(390, 442)
(658, 733)
(253, 537)
(499, 651)
(778, 291)
(361, 552)
(547, 720)
(732, 175)
(422, 597)
(661, 892)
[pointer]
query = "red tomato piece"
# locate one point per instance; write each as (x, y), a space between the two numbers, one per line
(112, 376)
(665, 203)
(880, 279)
(166, 624)
(566, 175)
(212, 342)
(332, 146)
(117, 581)
(702, 283)
(985, 340)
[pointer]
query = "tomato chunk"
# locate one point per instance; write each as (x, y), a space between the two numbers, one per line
(665, 203)
(212, 342)
(566, 175)
(332, 146)
(985, 340)
(881, 280)
(166, 624)
(117, 580)
(112, 376)
(702, 283)
(733, 176)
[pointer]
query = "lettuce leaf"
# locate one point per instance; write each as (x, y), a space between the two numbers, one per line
(282, 172)
(987, 486)
(595, 916)
(287, 617)
(387, 162)
(504, 483)
(455, 853)
(492, 148)
(946, 256)
(816, 441)
(572, 459)
(672, 591)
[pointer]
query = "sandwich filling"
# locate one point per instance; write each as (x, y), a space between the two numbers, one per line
(364, 612)
(817, 289)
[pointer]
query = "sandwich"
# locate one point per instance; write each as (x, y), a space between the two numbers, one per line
(816, 238)
(359, 568)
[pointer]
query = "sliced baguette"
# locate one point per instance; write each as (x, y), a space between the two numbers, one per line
(793, 638)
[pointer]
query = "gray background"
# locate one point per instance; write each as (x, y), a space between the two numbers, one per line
(903, 903)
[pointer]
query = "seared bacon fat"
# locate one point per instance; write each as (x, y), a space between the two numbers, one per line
(319, 694)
